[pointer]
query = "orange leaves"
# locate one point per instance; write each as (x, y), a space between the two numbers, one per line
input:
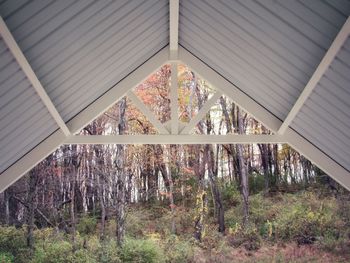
(189, 171)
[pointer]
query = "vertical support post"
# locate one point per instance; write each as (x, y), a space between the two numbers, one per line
(174, 100)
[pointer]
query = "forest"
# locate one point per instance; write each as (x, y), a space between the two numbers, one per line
(175, 203)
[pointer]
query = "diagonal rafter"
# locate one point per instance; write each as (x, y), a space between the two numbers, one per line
(201, 113)
(107, 100)
(294, 139)
(95, 109)
(229, 89)
(149, 115)
(27, 69)
(315, 78)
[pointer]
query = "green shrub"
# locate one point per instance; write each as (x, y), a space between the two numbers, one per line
(177, 251)
(305, 218)
(140, 251)
(6, 257)
(256, 183)
(83, 256)
(230, 195)
(109, 252)
(87, 225)
(55, 252)
(261, 209)
(136, 222)
(12, 240)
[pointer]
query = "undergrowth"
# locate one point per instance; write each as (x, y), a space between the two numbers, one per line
(303, 218)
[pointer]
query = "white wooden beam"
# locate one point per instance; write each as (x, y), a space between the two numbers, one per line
(200, 115)
(174, 105)
(27, 162)
(304, 147)
(147, 112)
(229, 89)
(33, 79)
(107, 100)
(167, 125)
(173, 28)
(174, 139)
(329, 166)
(319, 72)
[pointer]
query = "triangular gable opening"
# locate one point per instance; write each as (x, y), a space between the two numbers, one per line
(205, 110)
(146, 109)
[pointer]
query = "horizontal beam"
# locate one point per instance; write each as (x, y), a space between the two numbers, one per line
(201, 113)
(321, 69)
(147, 112)
(230, 90)
(119, 90)
(310, 151)
(28, 161)
(33, 79)
(174, 139)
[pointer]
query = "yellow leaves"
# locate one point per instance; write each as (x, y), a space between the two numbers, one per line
(310, 215)
(269, 225)
(154, 236)
(235, 229)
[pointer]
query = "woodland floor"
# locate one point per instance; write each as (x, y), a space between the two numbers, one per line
(303, 226)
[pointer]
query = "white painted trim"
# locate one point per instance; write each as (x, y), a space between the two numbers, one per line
(27, 69)
(316, 156)
(329, 166)
(146, 111)
(174, 104)
(167, 125)
(319, 72)
(27, 162)
(230, 90)
(200, 115)
(296, 141)
(108, 99)
(173, 28)
(174, 139)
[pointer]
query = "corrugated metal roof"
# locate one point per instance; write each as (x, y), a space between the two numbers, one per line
(24, 119)
(325, 117)
(269, 48)
(79, 49)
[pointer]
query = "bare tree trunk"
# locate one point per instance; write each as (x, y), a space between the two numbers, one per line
(265, 165)
(121, 180)
(197, 162)
(172, 203)
(212, 172)
(7, 206)
(72, 208)
(102, 204)
(31, 201)
(170, 188)
(243, 173)
(277, 171)
(100, 177)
